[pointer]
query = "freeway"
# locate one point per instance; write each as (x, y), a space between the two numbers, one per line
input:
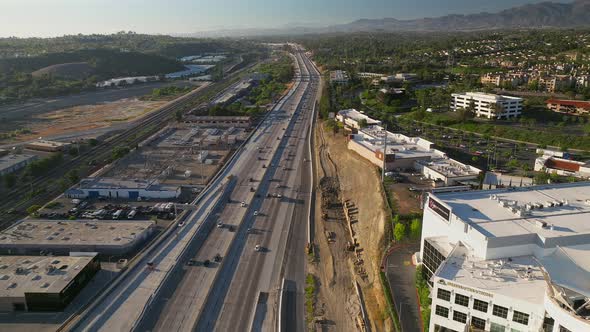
(161, 291)
(274, 166)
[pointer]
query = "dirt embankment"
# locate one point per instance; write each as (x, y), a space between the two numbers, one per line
(358, 184)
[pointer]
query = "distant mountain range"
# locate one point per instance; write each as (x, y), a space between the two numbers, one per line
(538, 15)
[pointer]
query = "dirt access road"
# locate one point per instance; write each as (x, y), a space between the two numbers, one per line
(344, 176)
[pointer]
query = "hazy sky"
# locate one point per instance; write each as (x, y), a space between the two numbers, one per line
(58, 17)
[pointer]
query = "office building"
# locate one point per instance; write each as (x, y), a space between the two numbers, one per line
(509, 260)
(487, 105)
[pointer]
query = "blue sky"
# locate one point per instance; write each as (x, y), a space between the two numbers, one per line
(58, 17)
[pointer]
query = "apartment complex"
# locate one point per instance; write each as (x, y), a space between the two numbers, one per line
(509, 260)
(487, 105)
(568, 106)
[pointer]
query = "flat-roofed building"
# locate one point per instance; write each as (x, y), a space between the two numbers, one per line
(44, 283)
(61, 237)
(488, 105)
(561, 166)
(354, 119)
(13, 162)
(219, 121)
(448, 171)
(47, 146)
(131, 189)
(401, 151)
(568, 106)
(509, 259)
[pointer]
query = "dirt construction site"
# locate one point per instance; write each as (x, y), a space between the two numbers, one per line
(350, 223)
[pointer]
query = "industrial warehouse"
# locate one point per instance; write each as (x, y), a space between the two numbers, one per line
(44, 283)
(61, 237)
(509, 259)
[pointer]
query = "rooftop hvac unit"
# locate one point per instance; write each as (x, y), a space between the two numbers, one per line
(540, 224)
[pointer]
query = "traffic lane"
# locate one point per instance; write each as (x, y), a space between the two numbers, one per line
(209, 315)
(251, 265)
(249, 279)
(239, 304)
(401, 277)
(295, 256)
(213, 243)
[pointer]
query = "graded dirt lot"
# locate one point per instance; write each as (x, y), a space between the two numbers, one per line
(40, 115)
(358, 181)
(88, 117)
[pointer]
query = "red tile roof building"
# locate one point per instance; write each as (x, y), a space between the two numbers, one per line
(568, 106)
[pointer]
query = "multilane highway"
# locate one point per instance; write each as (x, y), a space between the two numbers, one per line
(274, 185)
(170, 289)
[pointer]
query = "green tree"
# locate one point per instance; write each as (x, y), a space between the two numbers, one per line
(33, 209)
(399, 232)
(73, 176)
(119, 152)
(363, 123)
(415, 229)
(9, 180)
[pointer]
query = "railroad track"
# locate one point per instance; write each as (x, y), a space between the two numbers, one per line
(14, 205)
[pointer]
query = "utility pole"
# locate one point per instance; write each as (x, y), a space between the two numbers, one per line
(384, 153)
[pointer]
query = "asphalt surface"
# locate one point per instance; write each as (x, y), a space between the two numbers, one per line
(240, 289)
(401, 277)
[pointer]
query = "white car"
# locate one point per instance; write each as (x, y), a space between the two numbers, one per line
(257, 248)
(279, 196)
(255, 213)
(243, 204)
(220, 225)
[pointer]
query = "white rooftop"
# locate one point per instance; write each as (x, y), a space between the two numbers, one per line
(486, 96)
(39, 274)
(452, 168)
(519, 277)
(357, 116)
(60, 233)
(495, 213)
(402, 146)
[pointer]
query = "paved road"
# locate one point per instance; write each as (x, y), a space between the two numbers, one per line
(401, 276)
(195, 295)
(262, 273)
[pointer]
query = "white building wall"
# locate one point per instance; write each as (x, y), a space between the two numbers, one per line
(536, 311)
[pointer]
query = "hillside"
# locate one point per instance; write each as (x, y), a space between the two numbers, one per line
(68, 71)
